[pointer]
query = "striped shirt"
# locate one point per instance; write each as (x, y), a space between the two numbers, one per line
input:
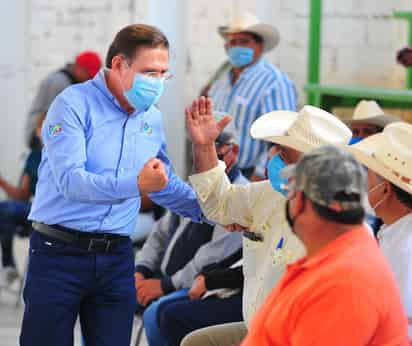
(261, 88)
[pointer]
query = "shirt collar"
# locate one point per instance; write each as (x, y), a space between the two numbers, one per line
(359, 233)
(100, 82)
(247, 72)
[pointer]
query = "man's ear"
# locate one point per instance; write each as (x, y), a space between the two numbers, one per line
(299, 203)
(387, 188)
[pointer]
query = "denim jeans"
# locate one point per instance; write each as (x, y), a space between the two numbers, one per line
(12, 214)
(64, 282)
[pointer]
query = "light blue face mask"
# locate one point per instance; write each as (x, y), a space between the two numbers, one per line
(274, 167)
(145, 92)
(240, 56)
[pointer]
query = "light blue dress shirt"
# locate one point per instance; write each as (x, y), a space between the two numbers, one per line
(93, 153)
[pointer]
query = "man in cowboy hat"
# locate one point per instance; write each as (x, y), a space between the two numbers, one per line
(342, 292)
(388, 156)
(368, 119)
(270, 245)
(252, 86)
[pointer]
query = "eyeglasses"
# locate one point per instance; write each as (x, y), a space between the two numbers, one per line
(165, 75)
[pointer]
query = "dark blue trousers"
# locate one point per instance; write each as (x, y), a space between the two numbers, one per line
(64, 282)
(181, 317)
(12, 214)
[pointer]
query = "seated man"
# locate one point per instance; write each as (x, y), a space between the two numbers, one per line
(14, 212)
(388, 158)
(342, 292)
(178, 249)
(369, 119)
(272, 246)
(215, 298)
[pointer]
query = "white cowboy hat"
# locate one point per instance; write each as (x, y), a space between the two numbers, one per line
(369, 112)
(303, 131)
(388, 154)
(247, 22)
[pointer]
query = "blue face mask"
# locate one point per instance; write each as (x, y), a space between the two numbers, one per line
(145, 92)
(240, 56)
(355, 140)
(274, 167)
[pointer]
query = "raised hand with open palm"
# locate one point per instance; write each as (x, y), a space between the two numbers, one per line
(202, 126)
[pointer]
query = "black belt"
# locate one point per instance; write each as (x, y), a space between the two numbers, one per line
(100, 242)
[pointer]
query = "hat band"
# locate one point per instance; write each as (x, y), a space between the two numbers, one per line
(404, 179)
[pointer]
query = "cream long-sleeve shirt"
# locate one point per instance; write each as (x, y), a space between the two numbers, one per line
(262, 210)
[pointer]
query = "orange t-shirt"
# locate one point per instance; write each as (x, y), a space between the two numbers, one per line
(344, 295)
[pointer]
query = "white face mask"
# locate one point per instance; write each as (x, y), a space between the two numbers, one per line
(378, 203)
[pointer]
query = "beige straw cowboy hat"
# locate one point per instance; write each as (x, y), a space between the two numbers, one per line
(248, 22)
(305, 130)
(369, 112)
(389, 154)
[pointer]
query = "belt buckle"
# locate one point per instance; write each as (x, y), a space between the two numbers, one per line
(98, 244)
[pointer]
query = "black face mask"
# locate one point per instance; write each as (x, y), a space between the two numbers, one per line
(288, 217)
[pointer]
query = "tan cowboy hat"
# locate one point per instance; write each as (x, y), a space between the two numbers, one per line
(388, 154)
(303, 131)
(248, 22)
(369, 112)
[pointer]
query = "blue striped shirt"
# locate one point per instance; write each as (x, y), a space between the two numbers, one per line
(261, 88)
(93, 153)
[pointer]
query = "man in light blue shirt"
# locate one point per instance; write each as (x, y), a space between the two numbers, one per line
(104, 147)
(251, 87)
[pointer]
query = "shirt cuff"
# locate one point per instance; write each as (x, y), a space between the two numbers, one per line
(147, 273)
(127, 186)
(167, 284)
(204, 182)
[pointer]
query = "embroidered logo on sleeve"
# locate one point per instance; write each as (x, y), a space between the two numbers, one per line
(55, 130)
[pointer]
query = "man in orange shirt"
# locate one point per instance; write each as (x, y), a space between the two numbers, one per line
(342, 292)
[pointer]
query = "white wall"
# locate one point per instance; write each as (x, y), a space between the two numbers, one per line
(170, 17)
(14, 65)
(360, 39)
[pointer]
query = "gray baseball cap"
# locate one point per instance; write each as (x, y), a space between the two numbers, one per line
(329, 175)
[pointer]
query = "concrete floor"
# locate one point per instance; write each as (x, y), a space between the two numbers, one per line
(10, 316)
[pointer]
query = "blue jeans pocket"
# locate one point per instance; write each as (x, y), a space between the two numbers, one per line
(40, 243)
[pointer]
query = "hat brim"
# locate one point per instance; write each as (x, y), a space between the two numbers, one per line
(380, 120)
(273, 127)
(364, 153)
(269, 34)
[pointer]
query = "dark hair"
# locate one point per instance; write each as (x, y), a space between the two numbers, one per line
(347, 217)
(402, 196)
(129, 39)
